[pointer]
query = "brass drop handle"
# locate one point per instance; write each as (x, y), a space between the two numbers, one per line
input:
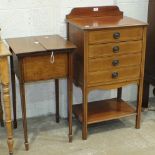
(116, 35)
(115, 62)
(115, 75)
(52, 59)
(116, 49)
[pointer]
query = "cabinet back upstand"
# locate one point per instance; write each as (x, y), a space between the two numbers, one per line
(110, 54)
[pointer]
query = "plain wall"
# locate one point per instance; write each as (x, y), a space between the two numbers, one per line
(41, 17)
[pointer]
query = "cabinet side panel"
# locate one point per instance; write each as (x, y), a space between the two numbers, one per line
(77, 37)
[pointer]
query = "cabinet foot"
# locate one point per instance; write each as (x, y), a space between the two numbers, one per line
(84, 137)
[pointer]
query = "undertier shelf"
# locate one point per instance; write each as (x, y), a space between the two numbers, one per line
(105, 110)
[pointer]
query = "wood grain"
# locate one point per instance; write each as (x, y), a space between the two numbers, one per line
(106, 36)
(106, 76)
(114, 62)
(101, 11)
(102, 50)
(105, 110)
(5, 80)
(43, 69)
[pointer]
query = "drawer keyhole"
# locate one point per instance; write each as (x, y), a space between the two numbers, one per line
(117, 35)
(115, 75)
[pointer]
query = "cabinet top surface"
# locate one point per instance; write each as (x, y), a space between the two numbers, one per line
(88, 18)
(35, 44)
(105, 22)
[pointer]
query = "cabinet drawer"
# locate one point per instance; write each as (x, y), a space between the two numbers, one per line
(40, 68)
(114, 75)
(100, 64)
(115, 35)
(115, 48)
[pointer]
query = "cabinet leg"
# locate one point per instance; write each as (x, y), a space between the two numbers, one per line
(85, 114)
(13, 83)
(145, 95)
(23, 105)
(139, 105)
(119, 93)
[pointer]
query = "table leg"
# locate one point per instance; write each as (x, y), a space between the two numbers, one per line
(13, 83)
(1, 112)
(23, 105)
(119, 93)
(57, 99)
(4, 67)
(70, 96)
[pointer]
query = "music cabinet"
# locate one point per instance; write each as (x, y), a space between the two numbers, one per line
(110, 54)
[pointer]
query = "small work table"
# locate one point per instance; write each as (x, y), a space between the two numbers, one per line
(39, 58)
(5, 81)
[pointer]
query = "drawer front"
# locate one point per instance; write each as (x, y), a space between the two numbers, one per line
(100, 64)
(114, 75)
(40, 67)
(115, 35)
(102, 50)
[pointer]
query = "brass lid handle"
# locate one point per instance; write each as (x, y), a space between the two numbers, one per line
(52, 59)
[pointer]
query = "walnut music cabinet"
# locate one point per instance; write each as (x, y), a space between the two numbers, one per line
(110, 54)
(41, 58)
(149, 77)
(5, 81)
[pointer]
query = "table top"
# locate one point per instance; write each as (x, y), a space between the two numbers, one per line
(39, 44)
(4, 50)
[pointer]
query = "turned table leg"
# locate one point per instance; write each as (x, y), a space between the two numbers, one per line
(4, 67)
